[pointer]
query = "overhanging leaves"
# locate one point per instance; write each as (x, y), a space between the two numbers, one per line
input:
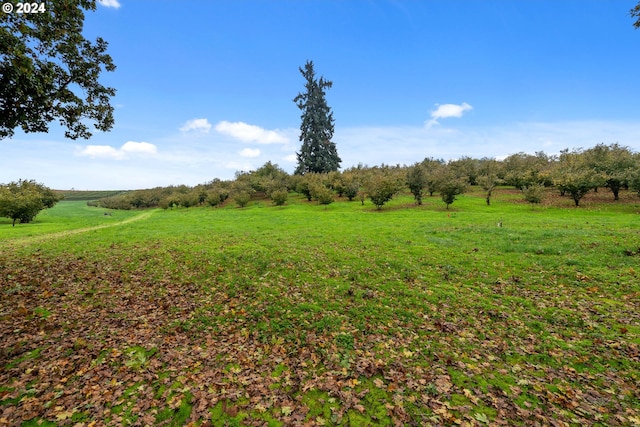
(49, 71)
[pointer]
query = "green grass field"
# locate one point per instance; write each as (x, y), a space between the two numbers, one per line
(314, 315)
(65, 217)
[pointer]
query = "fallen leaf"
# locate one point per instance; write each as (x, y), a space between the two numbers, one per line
(470, 396)
(481, 417)
(64, 415)
(443, 384)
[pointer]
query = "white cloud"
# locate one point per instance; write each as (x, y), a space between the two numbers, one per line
(100, 152)
(109, 152)
(139, 147)
(445, 111)
(197, 125)
(251, 133)
(110, 3)
(250, 152)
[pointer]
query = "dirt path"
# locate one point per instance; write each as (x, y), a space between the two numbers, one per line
(23, 241)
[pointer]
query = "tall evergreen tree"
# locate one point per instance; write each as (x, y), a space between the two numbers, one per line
(318, 153)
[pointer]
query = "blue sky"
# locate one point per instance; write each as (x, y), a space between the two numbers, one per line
(205, 88)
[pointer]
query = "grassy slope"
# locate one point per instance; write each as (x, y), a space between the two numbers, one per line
(333, 315)
(66, 215)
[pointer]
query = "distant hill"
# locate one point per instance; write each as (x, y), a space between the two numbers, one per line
(88, 195)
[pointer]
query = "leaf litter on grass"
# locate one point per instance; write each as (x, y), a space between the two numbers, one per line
(165, 336)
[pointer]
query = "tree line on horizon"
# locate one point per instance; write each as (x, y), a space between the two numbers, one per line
(573, 173)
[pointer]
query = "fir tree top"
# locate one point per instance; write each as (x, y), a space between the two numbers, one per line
(317, 153)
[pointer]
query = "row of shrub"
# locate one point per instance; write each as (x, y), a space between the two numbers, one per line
(573, 173)
(379, 184)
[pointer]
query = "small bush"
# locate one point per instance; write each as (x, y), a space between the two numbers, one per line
(279, 197)
(450, 188)
(381, 187)
(534, 193)
(336, 182)
(351, 184)
(242, 199)
(351, 191)
(417, 181)
(168, 202)
(306, 184)
(189, 199)
(215, 198)
(322, 194)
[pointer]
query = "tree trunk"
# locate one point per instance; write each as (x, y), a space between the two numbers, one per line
(615, 189)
